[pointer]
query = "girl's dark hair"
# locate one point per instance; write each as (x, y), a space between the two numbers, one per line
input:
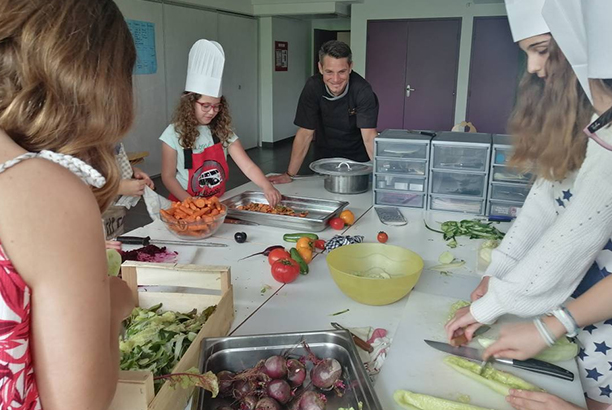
(186, 124)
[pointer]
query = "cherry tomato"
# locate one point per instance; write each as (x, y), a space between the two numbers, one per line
(277, 254)
(336, 223)
(285, 270)
(382, 237)
(348, 217)
(319, 244)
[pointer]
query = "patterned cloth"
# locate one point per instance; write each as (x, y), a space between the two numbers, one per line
(126, 171)
(595, 363)
(18, 390)
(17, 383)
(339, 240)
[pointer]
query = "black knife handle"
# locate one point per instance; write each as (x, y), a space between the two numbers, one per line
(539, 366)
(134, 240)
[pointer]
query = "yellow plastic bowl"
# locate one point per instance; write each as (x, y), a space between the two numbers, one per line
(349, 263)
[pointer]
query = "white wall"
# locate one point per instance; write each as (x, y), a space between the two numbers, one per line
(417, 9)
(280, 90)
(235, 6)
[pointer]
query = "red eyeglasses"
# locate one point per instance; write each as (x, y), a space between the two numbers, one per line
(599, 123)
(207, 106)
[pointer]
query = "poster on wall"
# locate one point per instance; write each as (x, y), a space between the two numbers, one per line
(143, 33)
(281, 53)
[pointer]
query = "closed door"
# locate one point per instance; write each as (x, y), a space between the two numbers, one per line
(412, 67)
(431, 74)
(386, 56)
(494, 73)
(238, 36)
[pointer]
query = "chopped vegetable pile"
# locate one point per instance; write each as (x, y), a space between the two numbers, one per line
(149, 253)
(473, 229)
(156, 340)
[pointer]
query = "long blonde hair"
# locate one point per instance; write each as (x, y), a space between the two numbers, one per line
(66, 80)
(548, 119)
(186, 124)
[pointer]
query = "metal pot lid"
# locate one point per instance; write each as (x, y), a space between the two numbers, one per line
(341, 166)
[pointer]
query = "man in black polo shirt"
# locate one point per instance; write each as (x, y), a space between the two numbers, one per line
(338, 108)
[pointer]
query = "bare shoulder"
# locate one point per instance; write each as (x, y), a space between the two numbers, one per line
(48, 215)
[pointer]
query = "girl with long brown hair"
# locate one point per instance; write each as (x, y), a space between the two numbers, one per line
(65, 102)
(560, 245)
(196, 144)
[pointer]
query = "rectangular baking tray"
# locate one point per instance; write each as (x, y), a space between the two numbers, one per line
(320, 211)
(241, 352)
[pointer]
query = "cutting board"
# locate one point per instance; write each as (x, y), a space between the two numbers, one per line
(413, 365)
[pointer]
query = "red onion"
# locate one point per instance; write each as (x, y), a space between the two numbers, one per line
(296, 372)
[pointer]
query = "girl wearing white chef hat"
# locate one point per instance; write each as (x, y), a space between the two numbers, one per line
(196, 144)
(567, 218)
(577, 20)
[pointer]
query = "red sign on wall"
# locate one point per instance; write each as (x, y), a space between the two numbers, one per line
(281, 56)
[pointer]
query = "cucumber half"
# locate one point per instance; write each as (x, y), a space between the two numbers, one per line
(414, 401)
(113, 259)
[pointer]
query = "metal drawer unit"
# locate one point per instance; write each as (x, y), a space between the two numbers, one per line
(508, 188)
(401, 168)
(459, 172)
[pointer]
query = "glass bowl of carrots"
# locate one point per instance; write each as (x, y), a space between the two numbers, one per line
(194, 218)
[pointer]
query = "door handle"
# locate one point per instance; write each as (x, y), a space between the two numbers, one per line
(409, 90)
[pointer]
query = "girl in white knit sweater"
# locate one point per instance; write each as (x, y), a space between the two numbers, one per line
(559, 244)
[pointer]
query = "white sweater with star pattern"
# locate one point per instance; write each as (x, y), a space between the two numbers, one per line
(543, 257)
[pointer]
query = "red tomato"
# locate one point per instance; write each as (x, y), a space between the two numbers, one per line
(285, 270)
(336, 223)
(277, 254)
(319, 244)
(382, 237)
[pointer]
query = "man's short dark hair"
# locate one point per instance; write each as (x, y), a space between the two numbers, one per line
(335, 49)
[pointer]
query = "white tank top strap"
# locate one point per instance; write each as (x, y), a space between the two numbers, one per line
(78, 167)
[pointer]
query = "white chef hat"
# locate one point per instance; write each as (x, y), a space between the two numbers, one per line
(525, 18)
(566, 23)
(599, 37)
(205, 68)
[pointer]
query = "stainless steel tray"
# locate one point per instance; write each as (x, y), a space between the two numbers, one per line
(241, 352)
(320, 211)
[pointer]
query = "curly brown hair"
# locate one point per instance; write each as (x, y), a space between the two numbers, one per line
(548, 119)
(186, 124)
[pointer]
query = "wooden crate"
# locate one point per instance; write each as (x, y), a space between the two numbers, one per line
(135, 389)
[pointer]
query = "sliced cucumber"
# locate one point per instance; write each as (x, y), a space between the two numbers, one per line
(414, 401)
(446, 257)
(496, 380)
(113, 260)
(455, 307)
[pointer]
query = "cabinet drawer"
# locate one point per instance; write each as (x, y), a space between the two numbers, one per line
(508, 174)
(499, 208)
(510, 192)
(501, 155)
(460, 157)
(400, 183)
(399, 199)
(444, 203)
(456, 183)
(401, 150)
(401, 167)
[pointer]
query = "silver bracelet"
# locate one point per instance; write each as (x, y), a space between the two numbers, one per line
(567, 320)
(544, 332)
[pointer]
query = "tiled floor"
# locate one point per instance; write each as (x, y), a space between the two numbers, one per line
(269, 160)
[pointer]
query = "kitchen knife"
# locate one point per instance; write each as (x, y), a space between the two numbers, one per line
(238, 222)
(144, 241)
(358, 341)
(532, 365)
